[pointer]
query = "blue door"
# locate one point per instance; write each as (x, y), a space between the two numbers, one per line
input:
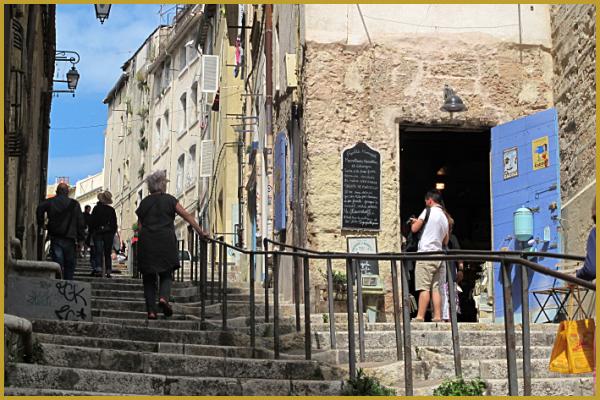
(526, 173)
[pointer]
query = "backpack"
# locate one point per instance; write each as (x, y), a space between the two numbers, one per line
(412, 240)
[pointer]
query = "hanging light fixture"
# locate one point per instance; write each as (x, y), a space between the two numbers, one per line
(102, 11)
(72, 78)
(452, 103)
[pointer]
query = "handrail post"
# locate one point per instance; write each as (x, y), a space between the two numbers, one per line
(332, 341)
(266, 281)
(276, 261)
(450, 274)
(252, 304)
(350, 312)
(525, 334)
(224, 301)
(296, 282)
(408, 375)
(220, 271)
(396, 298)
(307, 333)
(359, 306)
(213, 262)
(509, 330)
(203, 262)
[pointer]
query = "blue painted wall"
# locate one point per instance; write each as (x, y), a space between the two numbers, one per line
(532, 189)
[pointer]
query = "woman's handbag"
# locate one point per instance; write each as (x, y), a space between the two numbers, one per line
(573, 351)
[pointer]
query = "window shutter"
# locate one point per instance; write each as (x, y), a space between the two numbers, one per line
(210, 74)
(206, 158)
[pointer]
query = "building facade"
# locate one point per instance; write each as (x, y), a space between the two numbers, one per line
(87, 190)
(377, 74)
(29, 52)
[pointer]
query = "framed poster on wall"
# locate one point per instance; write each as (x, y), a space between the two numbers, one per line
(365, 245)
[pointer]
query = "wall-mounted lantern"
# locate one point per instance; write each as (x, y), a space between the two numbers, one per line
(72, 74)
(102, 11)
(452, 103)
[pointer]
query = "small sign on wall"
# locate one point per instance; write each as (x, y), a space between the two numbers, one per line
(511, 163)
(365, 245)
(539, 153)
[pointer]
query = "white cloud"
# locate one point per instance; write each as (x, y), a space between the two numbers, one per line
(84, 165)
(103, 48)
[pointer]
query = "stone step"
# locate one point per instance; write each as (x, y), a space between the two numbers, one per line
(340, 355)
(142, 333)
(341, 320)
(566, 386)
(63, 378)
(182, 365)
(21, 391)
(159, 323)
(387, 339)
(156, 347)
(134, 315)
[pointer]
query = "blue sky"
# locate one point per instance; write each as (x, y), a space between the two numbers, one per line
(77, 153)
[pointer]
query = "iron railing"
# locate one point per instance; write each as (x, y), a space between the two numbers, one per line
(302, 256)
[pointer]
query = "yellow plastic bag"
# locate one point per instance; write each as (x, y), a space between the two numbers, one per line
(573, 351)
(559, 361)
(580, 345)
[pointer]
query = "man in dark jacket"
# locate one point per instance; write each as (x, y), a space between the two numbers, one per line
(103, 227)
(65, 227)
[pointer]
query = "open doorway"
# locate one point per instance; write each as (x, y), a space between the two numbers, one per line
(457, 162)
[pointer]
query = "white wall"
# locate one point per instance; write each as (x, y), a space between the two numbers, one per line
(328, 23)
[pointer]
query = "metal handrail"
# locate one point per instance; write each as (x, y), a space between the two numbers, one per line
(506, 259)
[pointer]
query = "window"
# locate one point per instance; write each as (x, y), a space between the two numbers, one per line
(158, 76)
(206, 158)
(167, 73)
(157, 136)
(166, 130)
(181, 62)
(194, 103)
(210, 74)
(191, 167)
(183, 119)
(180, 171)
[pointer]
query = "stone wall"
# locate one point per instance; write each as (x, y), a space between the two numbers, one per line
(363, 92)
(574, 53)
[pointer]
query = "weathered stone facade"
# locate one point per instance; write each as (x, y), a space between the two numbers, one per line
(361, 93)
(29, 50)
(574, 53)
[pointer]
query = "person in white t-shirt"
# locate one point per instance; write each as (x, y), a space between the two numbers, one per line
(433, 238)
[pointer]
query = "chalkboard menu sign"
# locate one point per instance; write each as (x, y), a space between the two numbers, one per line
(361, 188)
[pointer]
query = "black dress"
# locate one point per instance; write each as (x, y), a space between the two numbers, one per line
(157, 245)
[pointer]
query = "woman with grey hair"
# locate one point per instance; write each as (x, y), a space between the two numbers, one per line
(157, 244)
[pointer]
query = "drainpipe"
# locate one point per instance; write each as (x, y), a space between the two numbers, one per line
(268, 151)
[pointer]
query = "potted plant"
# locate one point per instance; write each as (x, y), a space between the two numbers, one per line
(339, 285)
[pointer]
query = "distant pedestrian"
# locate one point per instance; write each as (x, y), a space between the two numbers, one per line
(104, 227)
(434, 237)
(157, 251)
(87, 217)
(66, 227)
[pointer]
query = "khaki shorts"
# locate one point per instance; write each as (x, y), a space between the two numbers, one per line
(427, 275)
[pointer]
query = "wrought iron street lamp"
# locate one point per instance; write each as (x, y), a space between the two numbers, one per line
(102, 11)
(72, 74)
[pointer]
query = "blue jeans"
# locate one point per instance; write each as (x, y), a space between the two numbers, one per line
(93, 260)
(62, 252)
(103, 243)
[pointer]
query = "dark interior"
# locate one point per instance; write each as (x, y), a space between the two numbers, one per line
(460, 160)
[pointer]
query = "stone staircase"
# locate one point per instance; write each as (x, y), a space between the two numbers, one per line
(121, 352)
(483, 355)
